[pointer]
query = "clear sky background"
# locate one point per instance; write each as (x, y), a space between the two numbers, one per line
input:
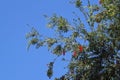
(15, 62)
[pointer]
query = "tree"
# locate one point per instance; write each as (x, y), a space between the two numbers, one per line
(99, 57)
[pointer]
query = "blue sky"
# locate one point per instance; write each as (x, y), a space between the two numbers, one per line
(15, 62)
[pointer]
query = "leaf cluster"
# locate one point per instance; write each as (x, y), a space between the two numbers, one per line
(100, 57)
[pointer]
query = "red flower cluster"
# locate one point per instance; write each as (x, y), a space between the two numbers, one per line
(80, 48)
(74, 53)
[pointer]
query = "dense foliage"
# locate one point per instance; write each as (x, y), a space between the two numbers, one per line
(98, 58)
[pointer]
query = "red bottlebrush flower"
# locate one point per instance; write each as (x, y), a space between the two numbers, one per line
(74, 54)
(80, 48)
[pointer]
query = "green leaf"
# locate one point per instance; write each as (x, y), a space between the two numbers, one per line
(78, 3)
(32, 42)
